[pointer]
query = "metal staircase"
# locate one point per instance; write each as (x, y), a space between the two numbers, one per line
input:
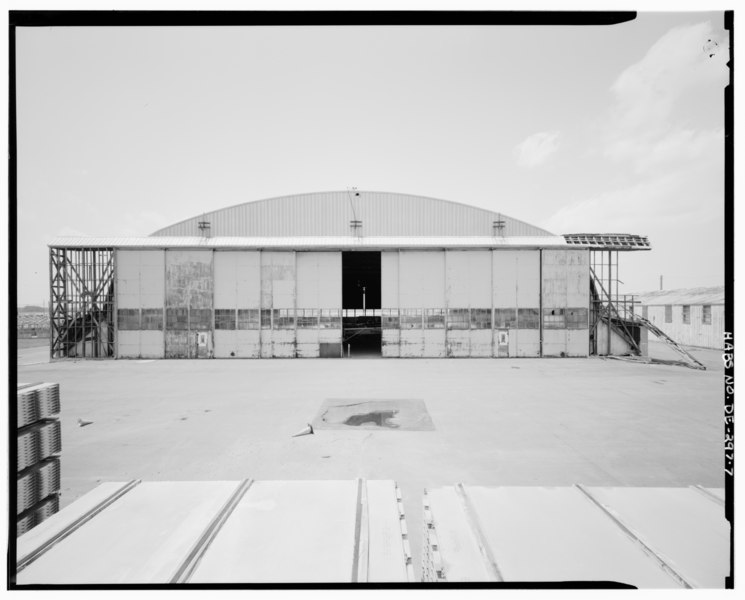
(670, 342)
(616, 311)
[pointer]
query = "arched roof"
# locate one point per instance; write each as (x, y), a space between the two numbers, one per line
(332, 213)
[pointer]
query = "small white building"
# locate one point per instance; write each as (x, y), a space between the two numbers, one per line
(692, 317)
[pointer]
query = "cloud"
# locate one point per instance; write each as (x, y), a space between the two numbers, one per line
(680, 62)
(648, 153)
(657, 119)
(536, 149)
(674, 203)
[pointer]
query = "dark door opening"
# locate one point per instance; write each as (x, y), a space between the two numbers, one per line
(360, 300)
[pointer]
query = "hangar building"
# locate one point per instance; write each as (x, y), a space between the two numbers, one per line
(333, 274)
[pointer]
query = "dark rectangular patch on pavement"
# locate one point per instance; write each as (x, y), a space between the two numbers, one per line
(391, 415)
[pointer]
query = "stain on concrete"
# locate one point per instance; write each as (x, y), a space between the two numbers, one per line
(381, 418)
(393, 415)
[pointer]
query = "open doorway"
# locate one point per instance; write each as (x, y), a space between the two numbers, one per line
(361, 335)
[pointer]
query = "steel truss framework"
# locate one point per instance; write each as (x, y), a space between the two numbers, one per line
(81, 308)
(607, 305)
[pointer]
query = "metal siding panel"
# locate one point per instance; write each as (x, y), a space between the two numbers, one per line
(391, 338)
(283, 343)
(319, 280)
(226, 280)
(434, 343)
(278, 280)
(308, 280)
(389, 279)
(528, 342)
(248, 287)
(264, 242)
(481, 343)
(422, 279)
(529, 279)
(151, 344)
(329, 336)
(578, 342)
(554, 342)
(266, 343)
(411, 343)
(459, 343)
(578, 278)
(128, 279)
(329, 213)
(505, 276)
(189, 279)
(128, 344)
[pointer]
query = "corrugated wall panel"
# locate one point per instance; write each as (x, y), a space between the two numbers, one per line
(128, 344)
(389, 292)
(152, 344)
(422, 279)
(237, 279)
(566, 299)
(318, 288)
(278, 289)
(128, 278)
(189, 278)
(516, 276)
(329, 213)
(152, 278)
(389, 279)
(237, 287)
(190, 288)
(469, 285)
(140, 285)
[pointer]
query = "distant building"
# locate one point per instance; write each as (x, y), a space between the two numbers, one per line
(692, 317)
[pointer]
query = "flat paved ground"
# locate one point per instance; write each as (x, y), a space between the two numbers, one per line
(548, 422)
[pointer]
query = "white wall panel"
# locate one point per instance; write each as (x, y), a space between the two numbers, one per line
(243, 343)
(237, 279)
(422, 279)
(554, 342)
(128, 344)
(140, 278)
(578, 342)
(389, 279)
(411, 343)
(278, 279)
(319, 279)
(469, 274)
(459, 343)
(578, 278)
(152, 344)
(435, 345)
(528, 343)
(152, 278)
(481, 343)
(390, 342)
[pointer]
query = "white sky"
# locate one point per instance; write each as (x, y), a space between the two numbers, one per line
(122, 131)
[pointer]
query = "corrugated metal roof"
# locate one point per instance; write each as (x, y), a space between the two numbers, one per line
(315, 242)
(330, 214)
(701, 295)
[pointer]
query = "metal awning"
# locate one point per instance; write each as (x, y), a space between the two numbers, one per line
(608, 241)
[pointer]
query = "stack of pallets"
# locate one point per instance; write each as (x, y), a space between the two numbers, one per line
(38, 463)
